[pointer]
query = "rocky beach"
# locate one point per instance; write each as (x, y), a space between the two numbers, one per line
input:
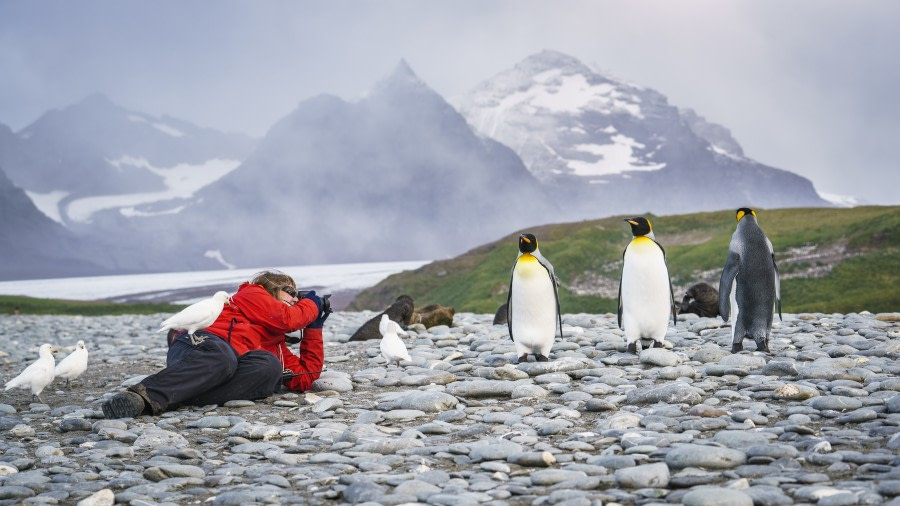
(817, 421)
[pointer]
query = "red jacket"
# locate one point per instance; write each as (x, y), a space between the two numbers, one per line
(254, 320)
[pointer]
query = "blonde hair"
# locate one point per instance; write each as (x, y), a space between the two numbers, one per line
(273, 281)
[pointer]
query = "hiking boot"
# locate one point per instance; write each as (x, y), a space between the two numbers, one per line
(124, 405)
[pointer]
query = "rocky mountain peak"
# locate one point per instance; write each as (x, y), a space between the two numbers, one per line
(402, 80)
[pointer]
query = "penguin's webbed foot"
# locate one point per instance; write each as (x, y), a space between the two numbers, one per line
(662, 344)
(762, 345)
(541, 358)
(632, 347)
(737, 347)
(523, 358)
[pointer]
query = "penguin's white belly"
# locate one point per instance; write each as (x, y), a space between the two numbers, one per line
(646, 303)
(533, 311)
(733, 312)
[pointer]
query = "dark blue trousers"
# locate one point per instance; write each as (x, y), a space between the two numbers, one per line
(209, 372)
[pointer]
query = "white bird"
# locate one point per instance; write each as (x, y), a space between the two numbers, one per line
(74, 364)
(391, 346)
(385, 322)
(37, 375)
(198, 315)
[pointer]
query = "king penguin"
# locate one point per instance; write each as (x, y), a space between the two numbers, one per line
(533, 302)
(645, 290)
(749, 290)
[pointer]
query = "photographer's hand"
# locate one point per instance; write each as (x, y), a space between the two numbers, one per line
(311, 295)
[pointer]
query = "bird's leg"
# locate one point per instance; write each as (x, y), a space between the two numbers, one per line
(523, 358)
(67, 382)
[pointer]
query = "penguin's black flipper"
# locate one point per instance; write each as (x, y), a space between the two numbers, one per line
(729, 272)
(777, 288)
(671, 293)
(619, 311)
(509, 307)
(558, 311)
(672, 300)
(549, 267)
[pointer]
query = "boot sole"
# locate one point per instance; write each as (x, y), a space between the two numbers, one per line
(122, 406)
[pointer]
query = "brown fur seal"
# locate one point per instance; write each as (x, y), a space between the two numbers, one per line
(701, 299)
(400, 311)
(434, 314)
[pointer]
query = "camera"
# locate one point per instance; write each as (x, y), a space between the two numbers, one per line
(326, 304)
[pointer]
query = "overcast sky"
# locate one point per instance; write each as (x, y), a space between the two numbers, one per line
(808, 86)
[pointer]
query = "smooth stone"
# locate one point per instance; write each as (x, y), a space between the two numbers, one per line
(710, 354)
(528, 391)
(716, 496)
(795, 392)
(153, 438)
(612, 462)
(481, 388)
(212, 422)
(744, 360)
(494, 450)
(553, 476)
(159, 473)
(420, 489)
(741, 440)
(532, 459)
(780, 368)
(75, 424)
(338, 384)
(363, 491)
(643, 476)
(327, 404)
(671, 393)
(659, 357)
(621, 420)
(764, 495)
(708, 457)
(391, 446)
(104, 497)
(835, 403)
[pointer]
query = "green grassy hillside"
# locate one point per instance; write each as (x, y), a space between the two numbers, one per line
(831, 260)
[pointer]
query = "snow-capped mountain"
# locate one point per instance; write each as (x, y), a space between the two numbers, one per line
(613, 147)
(397, 175)
(95, 156)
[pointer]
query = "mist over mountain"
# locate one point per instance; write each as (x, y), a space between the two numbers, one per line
(607, 146)
(34, 246)
(397, 175)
